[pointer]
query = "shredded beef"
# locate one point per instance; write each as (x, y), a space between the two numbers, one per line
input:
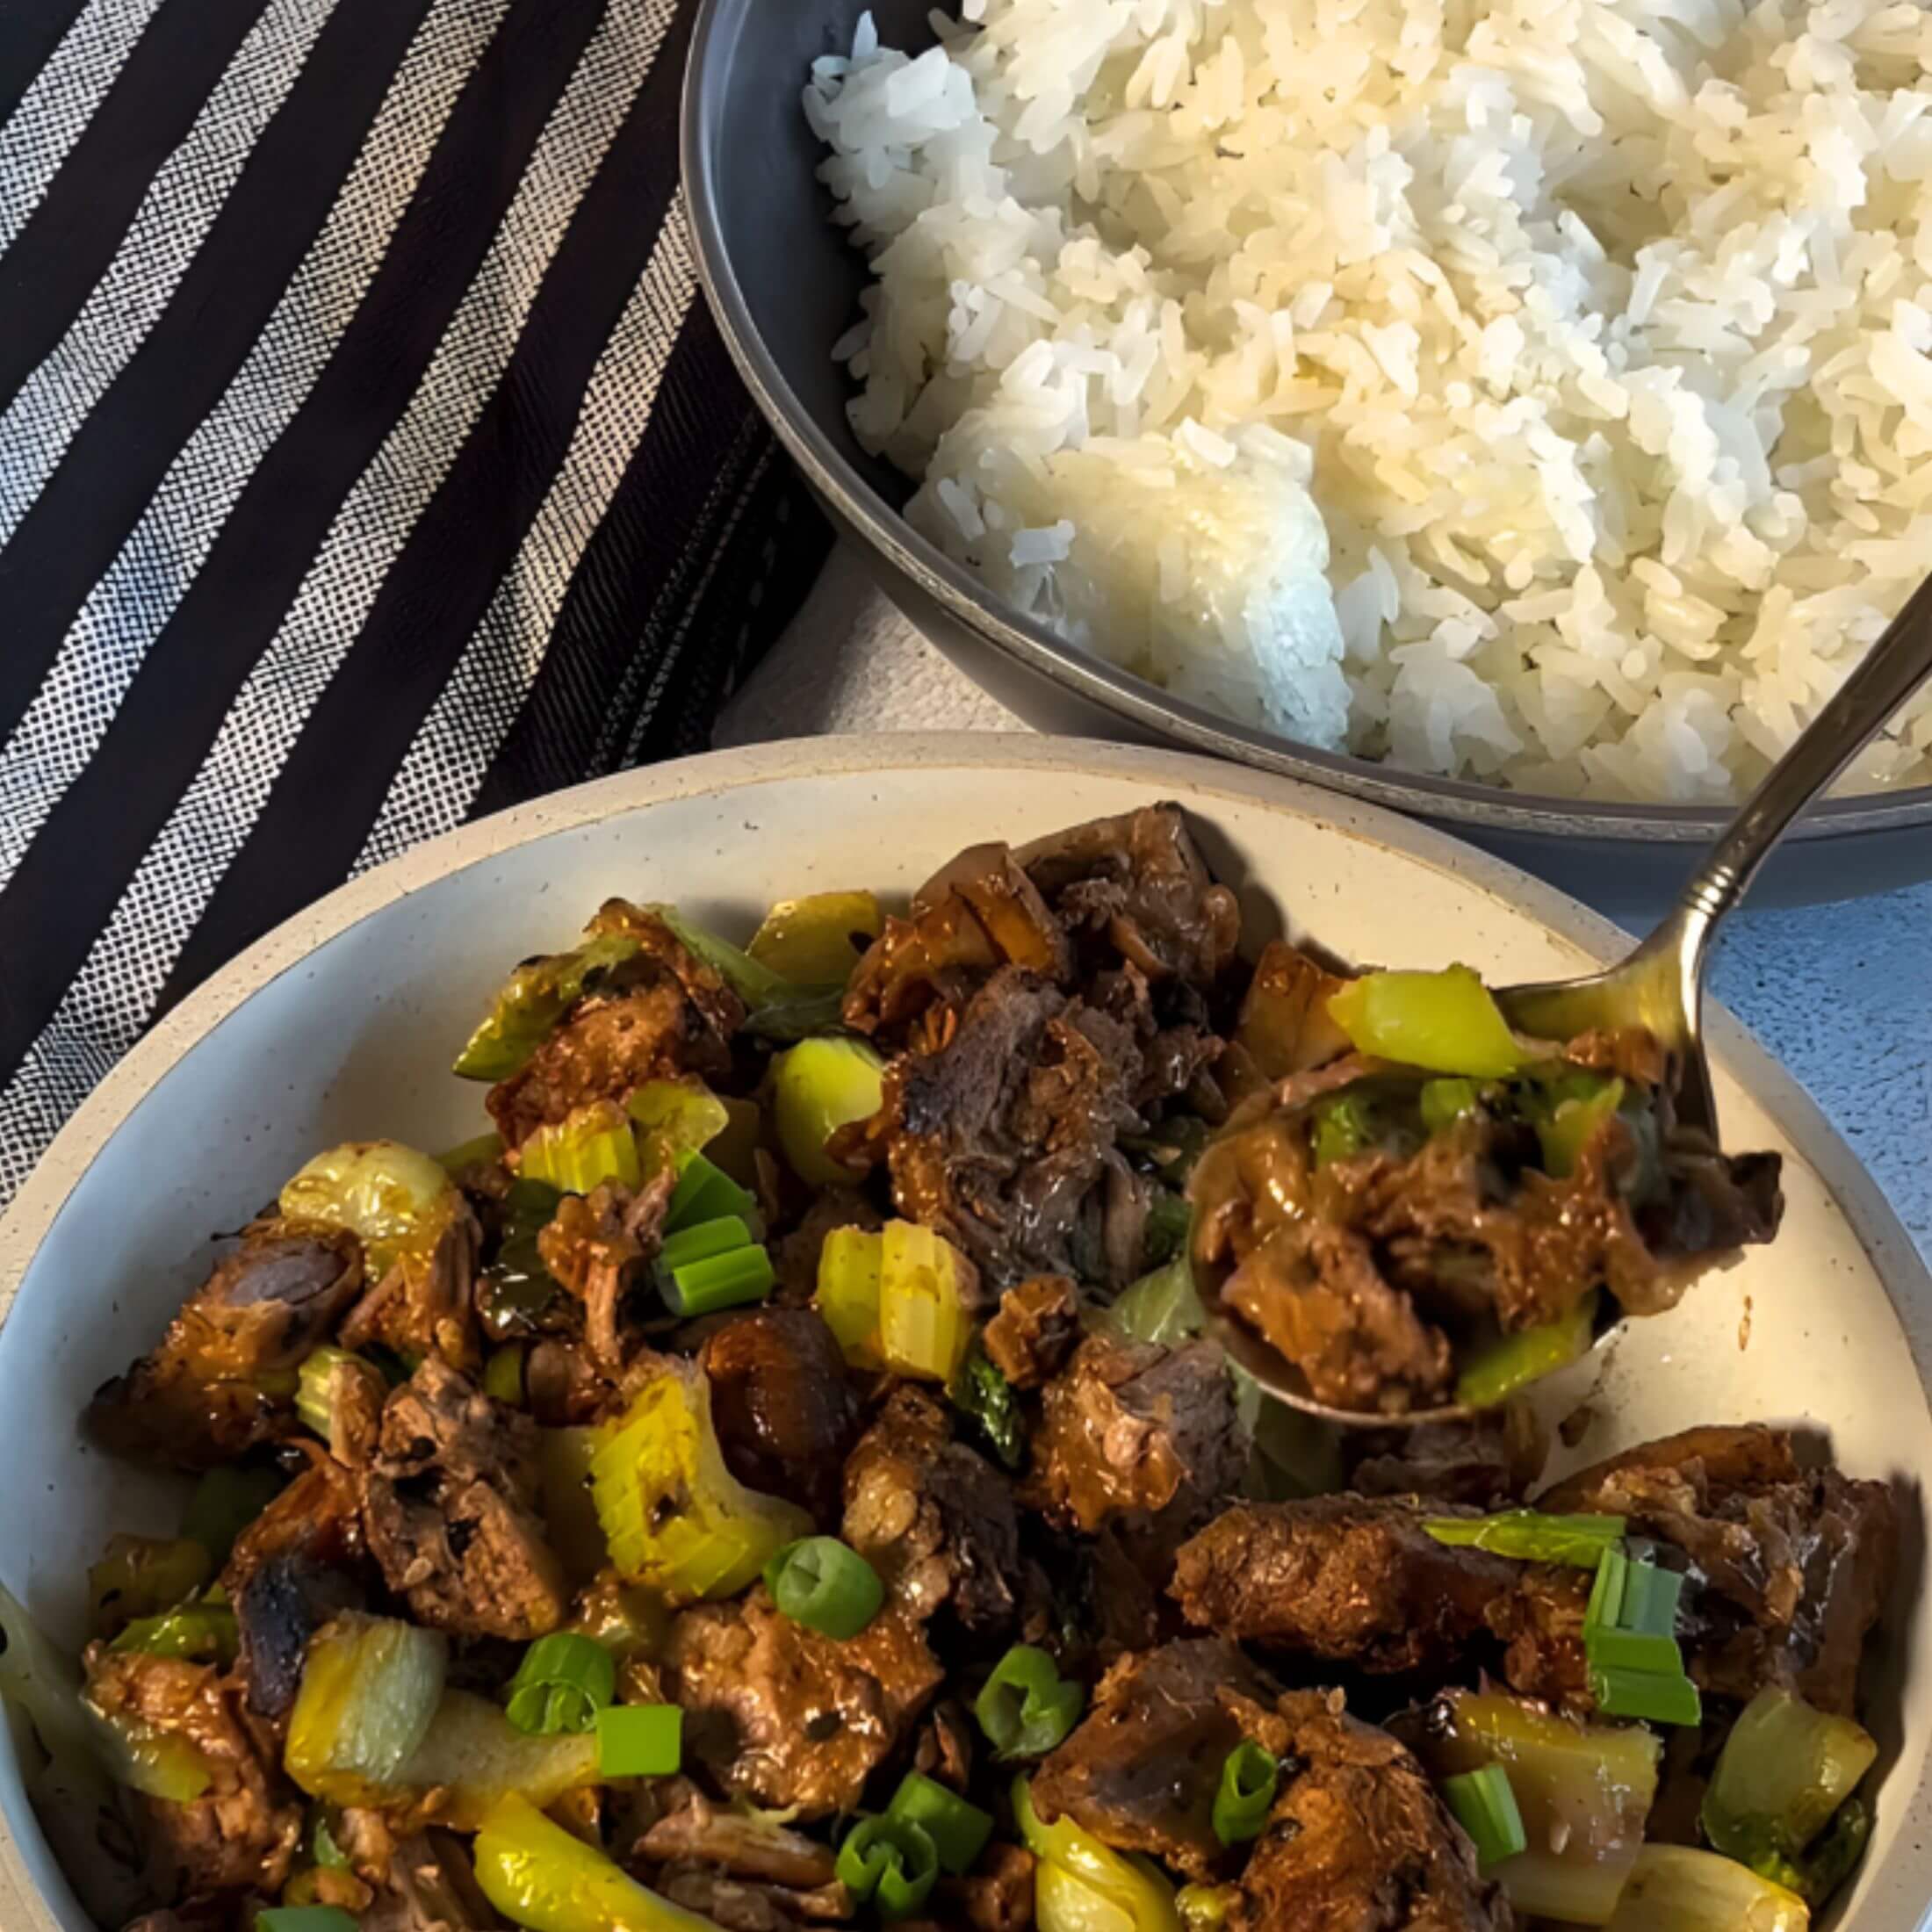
(595, 1246)
(1141, 1769)
(936, 1518)
(203, 1397)
(745, 1846)
(780, 1716)
(450, 1507)
(784, 1408)
(425, 1304)
(432, 1887)
(1034, 1330)
(1357, 1841)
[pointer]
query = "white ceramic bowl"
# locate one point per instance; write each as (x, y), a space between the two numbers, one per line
(341, 1023)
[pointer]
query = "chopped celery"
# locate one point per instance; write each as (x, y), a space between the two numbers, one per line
(1443, 1022)
(225, 1502)
(1082, 1885)
(596, 1143)
(1163, 1307)
(532, 1000)
(1583, 1793)
(475, 1757)
(1532, 1537)
(141, 1576)
(847, 1296)
(810, 941)
(926, 1287)
(371, 1686)
(1673, 1888)
(1500, 1369)
(203, 1631)
(570, 1514)
(1343, 1125)
(983, 1393)
(540, 1877)
(675, 1517)
(1445, 1101)
(397, 1201)
(819, 1086)
(1785, 1769)
(315, 1388)
(156, 1763)
(675, 1117)
(1568, 1116)
(485, 1149)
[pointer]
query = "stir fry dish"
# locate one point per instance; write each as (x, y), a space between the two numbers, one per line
(783, 1475)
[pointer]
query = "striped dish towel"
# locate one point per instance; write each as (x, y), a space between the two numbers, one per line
(368, 461)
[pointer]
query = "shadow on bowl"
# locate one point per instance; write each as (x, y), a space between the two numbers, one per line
(784, 284)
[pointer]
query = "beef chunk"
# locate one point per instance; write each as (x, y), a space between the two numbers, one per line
(653, 1017)
(995, 1896)
(1794, 1565)
(425, 1304)
(1033, 1333)
(1362, 1583)
(780, 1716)
(932, 1516)
(203, 1397)
(1140, 1770)
(1008, 906)
(783, 1407)
(1285, 1027)
(1138, 1438)
(295, 1566)
(450, 1506)
(734, 1904)
(1357, 1840)
(1137, 885)
(432, 1887)
(240, 1834)
(698, 1831)
(937, 957)
(1001, 1133)
(595, 1246)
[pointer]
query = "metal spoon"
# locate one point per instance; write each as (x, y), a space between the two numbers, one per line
(1659, 985)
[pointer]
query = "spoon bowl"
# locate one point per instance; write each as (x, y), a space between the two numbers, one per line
(1659, 986)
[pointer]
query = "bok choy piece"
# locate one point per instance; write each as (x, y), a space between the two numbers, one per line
(476, 1757)
(816, 941)
(541, 1878)
(532, 1000)
(1583, 1793)
(1673, 1888)
(676, 1519)
(1778, 1801)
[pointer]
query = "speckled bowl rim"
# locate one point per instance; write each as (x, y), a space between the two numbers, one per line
(1091, 679)
(1197, 782)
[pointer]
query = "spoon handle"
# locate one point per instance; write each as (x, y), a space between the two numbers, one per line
(1889, 673)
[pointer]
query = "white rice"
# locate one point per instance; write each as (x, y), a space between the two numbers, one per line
(1600, 331)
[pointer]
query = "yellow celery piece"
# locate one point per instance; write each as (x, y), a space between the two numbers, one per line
(142, 1577)
(540, 1877)
(675, 1117)
(1585, 1788)
(1082, 1885)
(811, 940)
(1443, 1021)
(1674, 1888)
(570, 1515)
(676, 1519)
(847, 1296)
(819, 1086)
(397, 1201)
(475, 1757)
(596, 1142)
(370, 1688)
(1784, 1769)
(926, 1288)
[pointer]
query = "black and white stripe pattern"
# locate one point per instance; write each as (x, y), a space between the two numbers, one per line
(367, 461)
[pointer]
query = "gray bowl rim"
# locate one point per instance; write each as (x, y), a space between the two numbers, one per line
(1143, 705)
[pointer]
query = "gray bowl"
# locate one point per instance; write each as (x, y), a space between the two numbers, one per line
(784, 285)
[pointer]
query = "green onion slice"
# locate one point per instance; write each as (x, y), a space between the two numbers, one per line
(1621, 1693)
(725, 1281)
(705, 1192)
(821, 1583)
(1027, 1706)
(1485, 1806)
(323, 1847)
(959, 1831)
(303, 1918)
(1636, 1668)
(892, 1861)
(702, 1241)
(640, 1740)
(1250, 1776)
(564, 1681)
(1530, 1537)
